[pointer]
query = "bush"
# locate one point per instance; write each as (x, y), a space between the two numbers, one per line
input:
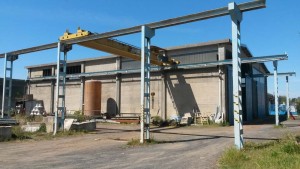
(42, 128)
(157, 121)
(18, 133)
(80, 117)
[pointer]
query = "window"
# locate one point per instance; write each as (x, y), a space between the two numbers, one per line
(47, 72)
(72, 69)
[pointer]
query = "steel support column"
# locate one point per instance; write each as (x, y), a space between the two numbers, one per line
(236, 17)
(82, 84)
(52, 96)
(7, 90)
(163, 96)
(287, 98)
(61, 72)
(118, 94)
(147, 34)
(275, 63)
(118, 86)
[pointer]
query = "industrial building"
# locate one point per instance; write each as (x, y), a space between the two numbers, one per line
(19, 87)
(174, 91)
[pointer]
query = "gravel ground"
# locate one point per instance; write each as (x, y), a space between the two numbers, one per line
(184, 147)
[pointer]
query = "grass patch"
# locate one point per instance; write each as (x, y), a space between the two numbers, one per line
(280, 126)
(279, 154)
(19, 134)
(136, 142)
(23, 119)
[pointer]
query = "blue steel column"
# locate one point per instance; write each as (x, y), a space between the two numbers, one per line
(147, 34)
(236, 17)
(275, 63)
(287, 98)
(61, 85)
(10, 83)
(4, 87)
(9, 68)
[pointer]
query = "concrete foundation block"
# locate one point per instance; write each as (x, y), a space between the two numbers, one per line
(68, 124)
(5, 132)
(88, 126)
(31, 126)
(49, 121)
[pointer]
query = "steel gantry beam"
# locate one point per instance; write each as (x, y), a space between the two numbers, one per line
(181, 66)
(235, 11)
(248, 6)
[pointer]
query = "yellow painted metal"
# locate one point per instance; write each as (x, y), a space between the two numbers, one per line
(119, 48)
(78, 34)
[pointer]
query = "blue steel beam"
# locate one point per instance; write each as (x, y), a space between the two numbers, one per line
(244, 7)
(180, 66)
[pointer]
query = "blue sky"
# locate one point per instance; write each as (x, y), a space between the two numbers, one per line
(273, 30)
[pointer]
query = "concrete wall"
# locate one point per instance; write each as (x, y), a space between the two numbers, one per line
(176, 91)
(94, 66)
(42, 91)
(188, 90)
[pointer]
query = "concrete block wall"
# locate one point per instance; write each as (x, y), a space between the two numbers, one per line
(176, 92)
(42, 91)
(190, 90)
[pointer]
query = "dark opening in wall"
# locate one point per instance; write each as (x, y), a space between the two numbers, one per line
(47, 72)
(72, 69)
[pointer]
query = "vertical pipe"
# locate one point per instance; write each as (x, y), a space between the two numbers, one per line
(142, 83)
(287, 98)
(220, 92)
(57, 88)
(10, 85)
(28, 81)
(63, 113)
(276, 93)
(163, 97)
(118, 86)
(52, 97)
(82, 82)
(236, 17)
(4, 87)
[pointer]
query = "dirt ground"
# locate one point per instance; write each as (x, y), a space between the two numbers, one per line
(184, 147)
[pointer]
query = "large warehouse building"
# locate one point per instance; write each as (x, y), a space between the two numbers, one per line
(174, 91)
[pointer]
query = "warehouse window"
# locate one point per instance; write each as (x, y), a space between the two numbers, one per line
(72, 69)
(47, 72)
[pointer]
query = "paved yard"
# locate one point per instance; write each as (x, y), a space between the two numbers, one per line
(185, 147)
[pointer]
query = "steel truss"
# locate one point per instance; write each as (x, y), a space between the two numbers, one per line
(235, 11)
(6, 95)
(61, 70)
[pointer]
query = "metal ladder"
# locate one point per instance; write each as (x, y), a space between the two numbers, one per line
(61, 86)
(147, 34)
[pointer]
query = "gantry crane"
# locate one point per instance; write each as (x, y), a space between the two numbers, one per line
(158, 57)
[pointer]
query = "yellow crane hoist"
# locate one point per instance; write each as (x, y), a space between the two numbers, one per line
(158, 55)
